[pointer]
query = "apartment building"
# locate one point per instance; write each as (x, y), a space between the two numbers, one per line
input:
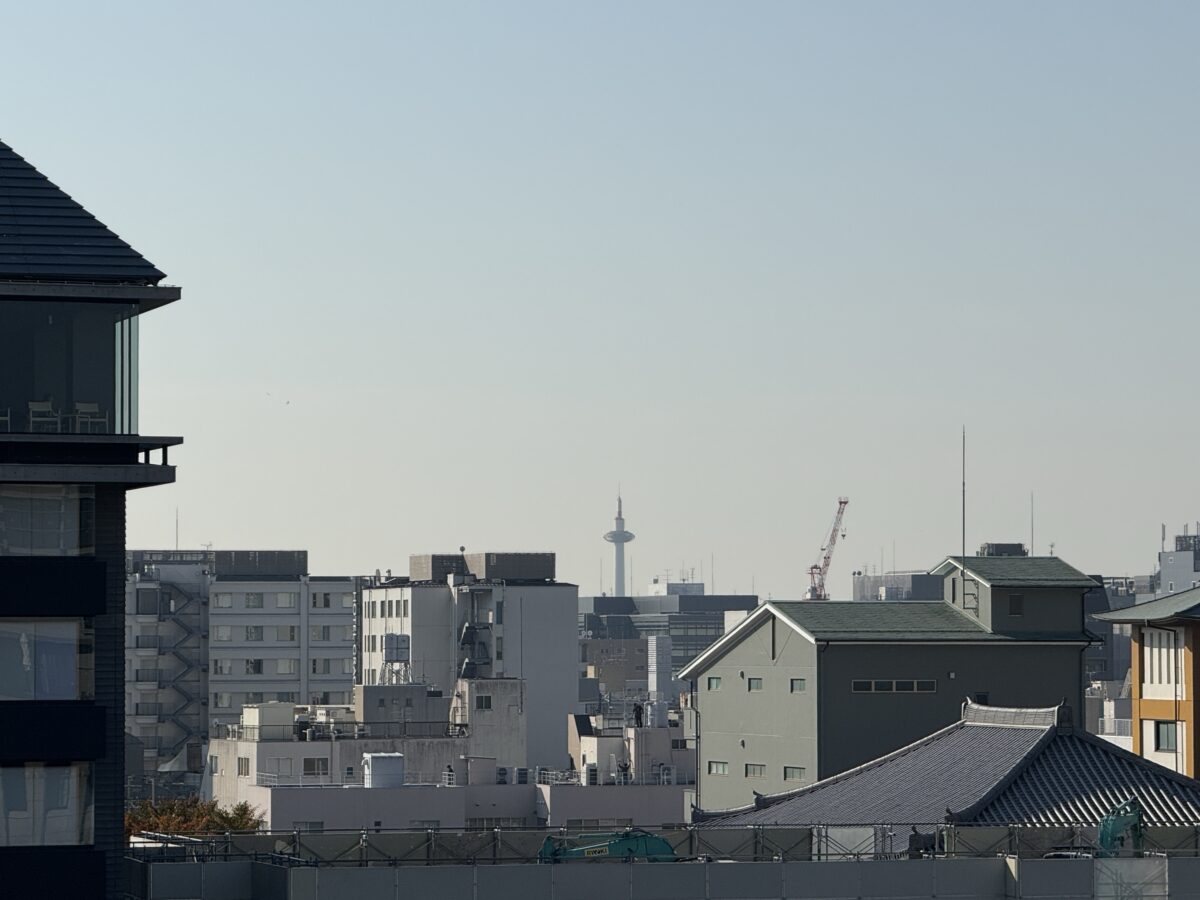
(209, 632)
(481, 617)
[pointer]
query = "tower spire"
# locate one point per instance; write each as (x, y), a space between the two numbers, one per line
(619, 537)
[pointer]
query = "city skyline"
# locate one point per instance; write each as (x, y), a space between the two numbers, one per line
(456, 274)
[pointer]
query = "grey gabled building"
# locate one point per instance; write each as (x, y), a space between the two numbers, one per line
(801, 691)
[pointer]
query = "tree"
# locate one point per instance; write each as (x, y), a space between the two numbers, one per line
(190, 815)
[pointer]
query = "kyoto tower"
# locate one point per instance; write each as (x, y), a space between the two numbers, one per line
(619, 537)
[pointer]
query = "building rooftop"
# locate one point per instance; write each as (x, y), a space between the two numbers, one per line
(995, 766)
(47, 236)
(1018, 571)
(1182, 606)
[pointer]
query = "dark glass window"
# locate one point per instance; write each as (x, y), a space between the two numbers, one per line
(1164, 736)
(68, 367)
(47, 659)
(47, 520)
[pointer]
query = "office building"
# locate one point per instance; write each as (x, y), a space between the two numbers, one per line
(71, 295)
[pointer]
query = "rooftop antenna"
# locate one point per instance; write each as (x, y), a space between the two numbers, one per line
(1032, 545)
(176, 527)
(964, 496)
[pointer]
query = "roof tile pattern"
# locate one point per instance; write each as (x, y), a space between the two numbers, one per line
(909, 620)
(1024, 571)
(1183, 605)
(995, 767)
(47, 236)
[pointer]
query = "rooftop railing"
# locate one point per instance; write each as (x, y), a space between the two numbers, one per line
(342, 731)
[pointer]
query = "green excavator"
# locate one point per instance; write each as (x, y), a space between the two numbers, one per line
(1125, 819)
(627, 846)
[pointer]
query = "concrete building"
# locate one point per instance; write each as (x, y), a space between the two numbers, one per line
(71, 295)
(487, 617)
(919, 585)
(619, 666)
(307, 771)
(210, 631)
(613, 747)
(692, 619)
(801, 691)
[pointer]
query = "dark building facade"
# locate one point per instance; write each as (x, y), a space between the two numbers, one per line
(71, 292)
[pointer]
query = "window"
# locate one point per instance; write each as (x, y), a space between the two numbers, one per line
(222, 666)
(1164, 737)
(348, 666)
(254, 632)
(285, 633)
(756, 770)
(793, 773)
(483, 701)
(1016, 604)
(223, 601)
(714, 682)
(320, 600)
(981, 698)
(287, 666)
(387, 613)
(347, 601)
(285, 696)
(46, 659)
(243, 766)
(223, 633)
(885, 686)
(222, 700)
(371, 643)
(300, 825)
(316, 765)
(47, 519)
(254, 600)
(799, 685)
(254, 697)
(214, 767)
(499, 610)
(499, 649)
(320, 666)
(679, 743)
(286, 600)
(254, 667)
(46, 804)
(754, 684)
(717, 768)
(318, 632)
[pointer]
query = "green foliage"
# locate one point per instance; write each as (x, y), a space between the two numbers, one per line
(190, 815)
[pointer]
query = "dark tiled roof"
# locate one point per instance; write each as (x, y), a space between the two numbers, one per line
(995, 767)
(1020, 571)
(1184, 605)
(47, 236)
(913, 620)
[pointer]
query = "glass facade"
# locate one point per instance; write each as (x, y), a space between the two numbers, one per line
(68, 367)
(47, 520)
(47, 659)
(46, 805)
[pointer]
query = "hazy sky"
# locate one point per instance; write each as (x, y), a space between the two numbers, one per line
(453, 271)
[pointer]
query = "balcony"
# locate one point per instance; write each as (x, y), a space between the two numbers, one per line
(146, 677)
(146, 642)
(1116, 727)
(274, 779)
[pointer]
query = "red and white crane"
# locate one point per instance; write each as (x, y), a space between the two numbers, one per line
(818, 571)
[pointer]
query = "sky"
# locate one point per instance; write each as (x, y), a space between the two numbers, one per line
(453, 272)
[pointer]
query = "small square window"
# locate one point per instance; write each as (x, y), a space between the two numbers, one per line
(799, 685)
(905, 686)
(793, 773)
(882, 687)
(926, 687)
(756, 770)
(860, 687)
(714, 682)
(754, 684)
(1016, 604)
(716, 767)
(483, 701)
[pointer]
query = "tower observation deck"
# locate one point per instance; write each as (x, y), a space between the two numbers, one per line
(619, 537)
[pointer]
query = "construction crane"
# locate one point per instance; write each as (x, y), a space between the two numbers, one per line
(819, 570)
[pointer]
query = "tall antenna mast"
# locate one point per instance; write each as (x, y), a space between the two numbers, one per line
(964, 495)
(1032, 545)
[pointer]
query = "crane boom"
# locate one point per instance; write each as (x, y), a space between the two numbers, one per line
(818, 571)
